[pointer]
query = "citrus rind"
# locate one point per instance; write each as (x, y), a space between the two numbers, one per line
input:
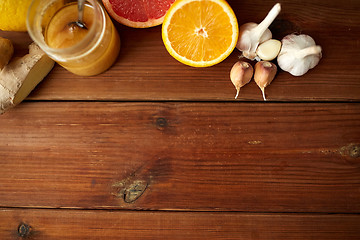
(167, 21)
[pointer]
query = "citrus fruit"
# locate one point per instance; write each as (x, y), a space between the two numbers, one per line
(200, 33)
(138, 13)
(13, 14)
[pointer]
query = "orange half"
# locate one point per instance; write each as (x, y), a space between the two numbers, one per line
(200, 33)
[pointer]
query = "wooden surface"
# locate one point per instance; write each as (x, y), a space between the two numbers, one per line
(153, 149)
(90, 224)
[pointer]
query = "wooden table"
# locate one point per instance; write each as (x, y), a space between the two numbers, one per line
(154, 149)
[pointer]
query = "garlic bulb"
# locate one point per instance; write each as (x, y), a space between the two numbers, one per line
(298, 54)
(252, 34)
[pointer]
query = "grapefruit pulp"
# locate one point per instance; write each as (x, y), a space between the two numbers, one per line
(138, 13)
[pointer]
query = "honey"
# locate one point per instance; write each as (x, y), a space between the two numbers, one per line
(83, 51)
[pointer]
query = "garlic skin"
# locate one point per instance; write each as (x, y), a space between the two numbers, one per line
(252, 34)
(299, 54)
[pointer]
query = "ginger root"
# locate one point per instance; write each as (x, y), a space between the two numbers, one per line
(6, 51)
(21, 75)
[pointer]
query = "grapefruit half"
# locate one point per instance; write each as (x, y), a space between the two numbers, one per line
(138, 13)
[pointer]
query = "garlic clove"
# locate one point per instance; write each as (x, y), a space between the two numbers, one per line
(269, 50)
(264, 74)
(240, 75)
(299, 54)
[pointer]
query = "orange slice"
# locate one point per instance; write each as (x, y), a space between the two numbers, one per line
(200, 33)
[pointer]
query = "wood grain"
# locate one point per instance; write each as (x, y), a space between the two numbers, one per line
(67, 224)
(154, 149)
(145, 71)
(212, 156)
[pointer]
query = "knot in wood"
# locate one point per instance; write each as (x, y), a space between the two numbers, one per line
(24, 230)
(161, 123)
(134, 191)
(352, 150)
(130, 190)
(355, 151)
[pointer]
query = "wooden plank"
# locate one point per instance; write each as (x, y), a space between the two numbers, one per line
(145, 71)
(196, 156)
(67, 224)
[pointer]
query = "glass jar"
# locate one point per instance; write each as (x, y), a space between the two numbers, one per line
(83, 51)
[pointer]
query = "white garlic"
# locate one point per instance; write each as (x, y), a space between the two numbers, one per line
(269, 49)
(252, 34)
(298, 54)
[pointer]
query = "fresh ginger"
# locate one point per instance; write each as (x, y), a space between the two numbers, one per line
(21, 75)
(6, 51)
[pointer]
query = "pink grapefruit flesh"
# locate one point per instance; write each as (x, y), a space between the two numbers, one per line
(138, 13)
